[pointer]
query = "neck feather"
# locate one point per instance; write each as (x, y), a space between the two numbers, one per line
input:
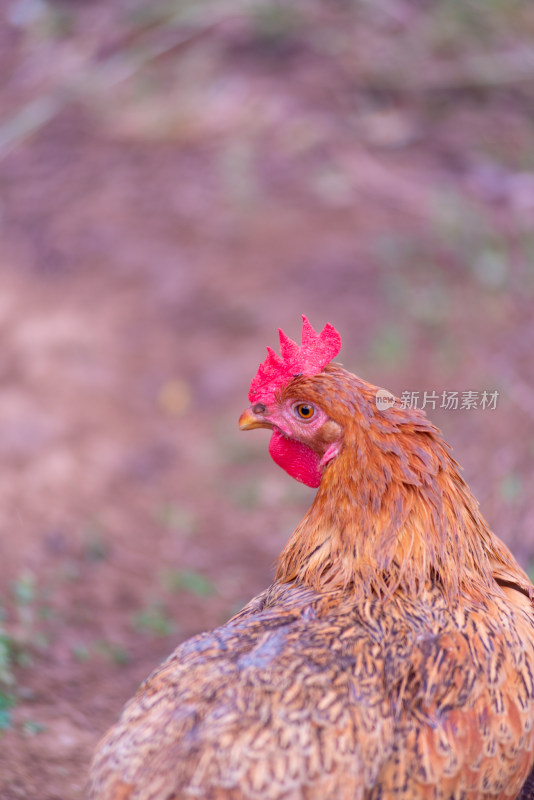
(392, 514)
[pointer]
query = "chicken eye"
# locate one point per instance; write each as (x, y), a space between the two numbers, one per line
(304, 410)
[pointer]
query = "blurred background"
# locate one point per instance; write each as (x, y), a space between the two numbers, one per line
(177, 180)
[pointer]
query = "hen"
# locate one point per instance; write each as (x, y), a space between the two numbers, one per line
(392, 657)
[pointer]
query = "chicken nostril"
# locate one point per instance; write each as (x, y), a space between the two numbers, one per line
(259, 408)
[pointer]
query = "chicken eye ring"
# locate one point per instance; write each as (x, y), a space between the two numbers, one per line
(304, 411)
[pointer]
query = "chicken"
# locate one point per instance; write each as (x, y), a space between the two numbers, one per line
(393, 656)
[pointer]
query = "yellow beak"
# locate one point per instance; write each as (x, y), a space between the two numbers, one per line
(249, 420)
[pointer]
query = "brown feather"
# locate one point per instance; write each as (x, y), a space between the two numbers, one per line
(391, 659)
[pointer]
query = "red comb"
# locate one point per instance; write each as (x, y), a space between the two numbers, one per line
(316, 351)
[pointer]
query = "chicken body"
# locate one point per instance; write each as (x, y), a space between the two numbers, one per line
(391, 659)
(307, 696)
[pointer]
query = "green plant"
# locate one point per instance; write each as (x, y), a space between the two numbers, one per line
(154, 619)
(18, 640)
(112, 651)
(95, 544)
(7, 679)
(510, 488)
(176, 580)
(7, 701)
(32, 728)
(81, 652)
(176, 518)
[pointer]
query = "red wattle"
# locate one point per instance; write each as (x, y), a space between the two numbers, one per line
(297, 459)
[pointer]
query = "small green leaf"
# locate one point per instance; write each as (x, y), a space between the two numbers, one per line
(190, 581)
(24, 589)
(80, 652)
(32, 728)
(510, 488)
(7, 701)
(114, 652)
(177, 519)
(154, 619)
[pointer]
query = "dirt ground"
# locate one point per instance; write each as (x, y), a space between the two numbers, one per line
(177, 181)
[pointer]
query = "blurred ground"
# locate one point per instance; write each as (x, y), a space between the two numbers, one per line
(178, 180)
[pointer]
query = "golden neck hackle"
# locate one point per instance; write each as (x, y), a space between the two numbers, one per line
(392, 512)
